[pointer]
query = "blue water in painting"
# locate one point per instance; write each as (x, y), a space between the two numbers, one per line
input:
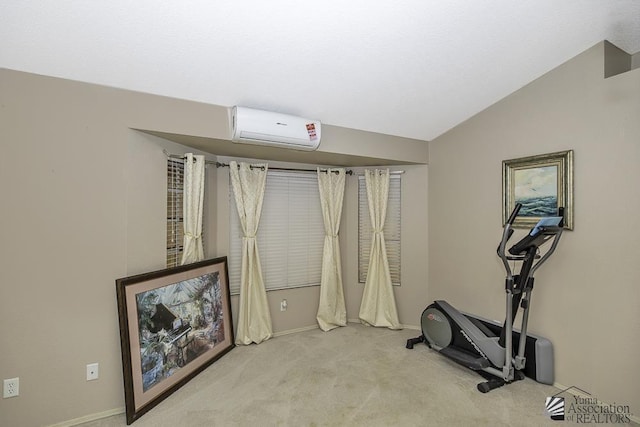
(539, 206)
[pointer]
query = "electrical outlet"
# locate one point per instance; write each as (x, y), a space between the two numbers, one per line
(11, 388)
(283, 305)
(92, 371)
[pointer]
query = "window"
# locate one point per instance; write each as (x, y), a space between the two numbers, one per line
(175, 228)
(391, 229)
(175, 222)
(290, 235)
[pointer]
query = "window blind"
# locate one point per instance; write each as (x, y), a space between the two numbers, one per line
(290, 234)
(175, 227)
(392, 229)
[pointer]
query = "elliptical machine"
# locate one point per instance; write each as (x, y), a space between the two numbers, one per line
(489, 349)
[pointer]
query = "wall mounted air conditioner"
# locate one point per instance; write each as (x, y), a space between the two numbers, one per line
(251, 126)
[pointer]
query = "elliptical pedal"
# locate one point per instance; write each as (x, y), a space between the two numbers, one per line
(412, 341)
(493, 383)
(471, 361)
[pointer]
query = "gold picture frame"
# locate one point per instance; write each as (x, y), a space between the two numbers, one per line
(542, 183)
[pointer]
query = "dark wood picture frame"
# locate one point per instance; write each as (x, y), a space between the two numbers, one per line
(173, 324)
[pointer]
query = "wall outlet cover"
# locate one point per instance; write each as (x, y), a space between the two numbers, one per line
(92, 371)
(11, 387)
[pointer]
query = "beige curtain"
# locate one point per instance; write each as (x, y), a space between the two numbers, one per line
(254, 319)
(378, 307)
(331, 310)
(193, 202)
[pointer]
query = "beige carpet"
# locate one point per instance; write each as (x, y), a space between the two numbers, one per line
(351, 376)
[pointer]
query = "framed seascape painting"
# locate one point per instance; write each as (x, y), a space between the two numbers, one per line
(541, 184)
(173, 324)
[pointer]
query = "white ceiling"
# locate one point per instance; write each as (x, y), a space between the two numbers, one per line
(412, 68)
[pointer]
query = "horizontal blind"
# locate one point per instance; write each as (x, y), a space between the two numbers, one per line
(175, 226)
(290, 234)
(392, 229)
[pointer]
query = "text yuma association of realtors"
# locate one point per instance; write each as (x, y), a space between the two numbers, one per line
(589, 410)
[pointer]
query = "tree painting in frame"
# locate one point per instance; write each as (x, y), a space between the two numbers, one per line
(541, 184)
(173, 324)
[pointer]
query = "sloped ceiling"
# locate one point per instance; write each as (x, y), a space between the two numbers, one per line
(412, 68)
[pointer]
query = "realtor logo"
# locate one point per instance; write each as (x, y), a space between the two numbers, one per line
(584, 408)
(554, 408)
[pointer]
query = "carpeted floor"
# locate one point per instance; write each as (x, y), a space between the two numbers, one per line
(351, 376)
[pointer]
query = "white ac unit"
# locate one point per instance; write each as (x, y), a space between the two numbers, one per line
(251, 126)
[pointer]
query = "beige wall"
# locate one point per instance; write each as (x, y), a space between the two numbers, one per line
(586, 299)
(83, 203)
(64, 219)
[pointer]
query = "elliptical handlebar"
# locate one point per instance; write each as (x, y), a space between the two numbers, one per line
(514, 213)
(545, 229)
(506, 235)
(554, 244)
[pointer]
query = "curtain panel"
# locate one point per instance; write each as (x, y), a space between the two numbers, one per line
(378, 307)
(254, 318)
(331, 309)
(193, 202)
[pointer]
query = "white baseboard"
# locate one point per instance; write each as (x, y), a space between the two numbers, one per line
(295, 331)
(411, 327)
(90, 417)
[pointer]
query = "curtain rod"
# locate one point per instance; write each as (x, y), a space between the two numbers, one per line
(390, 173)
(221, 165)
(225, 165)
(177, 156)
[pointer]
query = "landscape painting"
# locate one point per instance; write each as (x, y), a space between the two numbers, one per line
(537, 190)
(173, 324)
(542, 184)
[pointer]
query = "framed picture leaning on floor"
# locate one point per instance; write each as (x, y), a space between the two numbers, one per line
(173, 324)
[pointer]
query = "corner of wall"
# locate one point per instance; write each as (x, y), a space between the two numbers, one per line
(616, 60)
